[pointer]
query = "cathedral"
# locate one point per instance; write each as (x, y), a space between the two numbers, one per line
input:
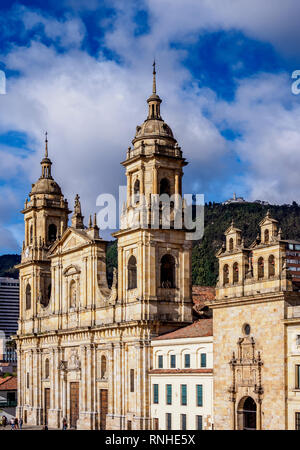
(257, 331)
(84, 348)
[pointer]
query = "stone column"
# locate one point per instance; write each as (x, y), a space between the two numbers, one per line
(19, 383)
(233, 415)
(111, 389)
(64, 386)
(85, 293)
(120, 274)
(138, 383)
(140, 271)
(142, 186)
(83, 405)
(258, 415)
(154, 178)
(89, 393)
(53, 296)
(177, 187)
(146, 385)
(129, 188)
(152, 281)
(57, 394)
(52, 380)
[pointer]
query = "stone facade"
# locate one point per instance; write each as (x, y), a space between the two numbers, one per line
(253, 296)
(83, 348)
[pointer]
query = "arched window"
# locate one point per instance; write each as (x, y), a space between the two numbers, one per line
(103, 366)
(47, 368)
(225, 274)
(136, 191)
(132, 273)
(164, 187)
(260, 267)
(266, 236)
(235, 272)
(271, 266)
(231, 244)
(73, 294)
(28, 296)
(48, 295)
(247, 414)
(31, 234)
(167, 271)
(52, 232)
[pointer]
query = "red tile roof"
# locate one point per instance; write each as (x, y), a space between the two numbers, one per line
(200, 328)
(8, 384)
(202, 294)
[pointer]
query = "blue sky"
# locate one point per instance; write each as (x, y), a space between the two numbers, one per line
(81, 69)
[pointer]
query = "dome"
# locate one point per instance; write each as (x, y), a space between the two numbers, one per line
(153, 128)
(45, 186)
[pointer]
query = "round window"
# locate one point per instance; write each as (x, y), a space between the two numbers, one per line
(246, 329)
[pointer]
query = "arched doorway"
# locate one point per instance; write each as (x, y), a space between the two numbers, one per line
(247, 414)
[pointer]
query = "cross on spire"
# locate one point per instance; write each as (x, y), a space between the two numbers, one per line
(46, 144)
(154, 78)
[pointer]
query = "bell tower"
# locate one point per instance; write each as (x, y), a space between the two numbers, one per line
(154, 257)
(46, 218)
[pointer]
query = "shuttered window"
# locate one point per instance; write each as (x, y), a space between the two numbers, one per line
(199, 425)
(160, 362)
(187, 361)
(173, 362)
(199, 394)
(169, 394)
(184, 394)
(155, 393)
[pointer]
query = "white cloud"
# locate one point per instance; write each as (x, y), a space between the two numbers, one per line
(271, 20)
(90, 106)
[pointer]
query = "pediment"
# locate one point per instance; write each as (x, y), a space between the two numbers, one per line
(71, 239)
(232, 230)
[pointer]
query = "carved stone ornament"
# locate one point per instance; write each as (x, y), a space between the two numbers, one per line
(74, 362)
(63, 365)
(246, 369)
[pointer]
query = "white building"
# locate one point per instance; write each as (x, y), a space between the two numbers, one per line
(234, 199)
(182, 378)
(9, 314)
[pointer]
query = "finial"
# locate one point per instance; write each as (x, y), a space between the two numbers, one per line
(154, 79)
(95, 220)
(46, 144)
(232, 223)
(77, 218)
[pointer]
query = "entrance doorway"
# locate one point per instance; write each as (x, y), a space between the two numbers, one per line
(247, 414)
(46, 405)
(74, 404)
(103, 408)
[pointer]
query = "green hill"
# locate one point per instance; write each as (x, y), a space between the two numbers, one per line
(217, 219)
(246, 216)
(7, 263)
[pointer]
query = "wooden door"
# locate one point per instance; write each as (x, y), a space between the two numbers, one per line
(46, 405)
(74, 404)
(103, 408)
(155, 424)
